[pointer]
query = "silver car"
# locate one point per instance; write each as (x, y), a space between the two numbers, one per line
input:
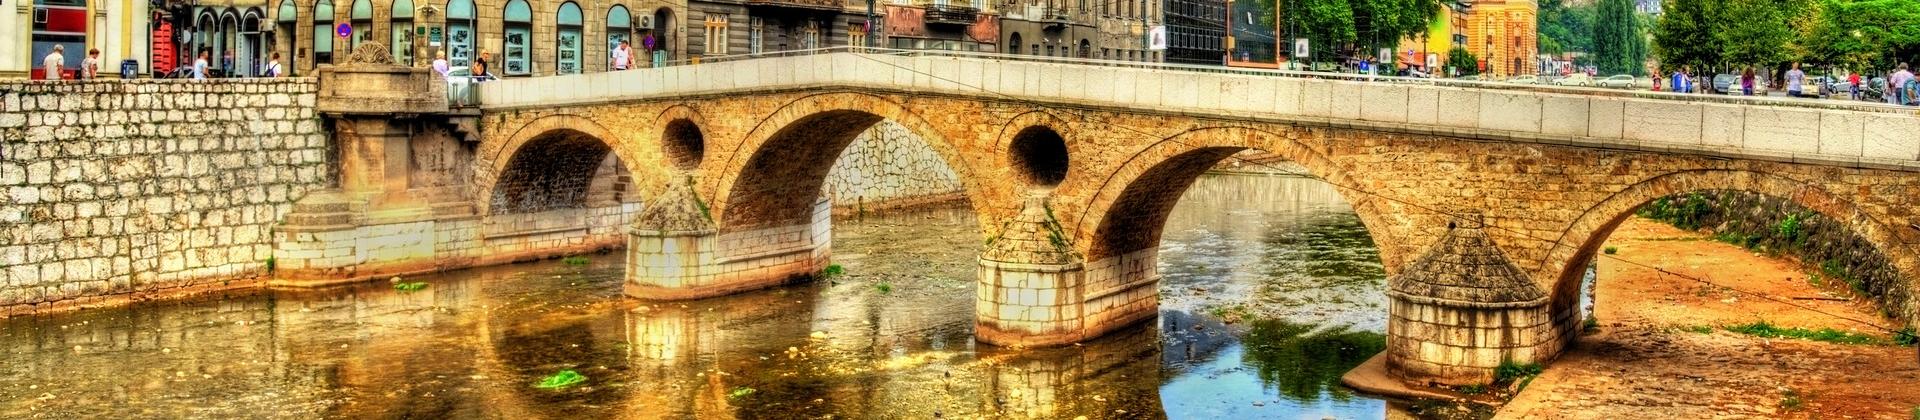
(1618, 81)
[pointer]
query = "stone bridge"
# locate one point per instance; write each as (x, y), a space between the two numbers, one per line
(1072, 171)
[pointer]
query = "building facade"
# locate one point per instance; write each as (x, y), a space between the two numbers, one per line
(30, 28)
(1503, 34)
(1445, 32)
(523, 37)
(1196, 31)
(1090, 29)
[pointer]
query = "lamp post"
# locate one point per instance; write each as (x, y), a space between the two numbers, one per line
(869, 29)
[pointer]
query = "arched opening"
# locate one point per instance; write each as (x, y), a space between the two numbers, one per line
(517, 42)
(561, 191)
(253, 50)
(567, 42)
(206, 38)
(287, 18)
(401, 22)
(361, 23)
(229, 55)
(1085, 49)
(663, 31)
(1039, 156)
(460, 36)
(620, 30)
(684, 144)
(782, 179)
(322, 32)
(1013, 43)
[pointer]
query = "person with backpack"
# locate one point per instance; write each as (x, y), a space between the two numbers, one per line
(273, 67)
(1902, 86)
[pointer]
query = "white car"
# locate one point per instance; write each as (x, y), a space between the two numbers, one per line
(1618, 81)
(1576, 79)
(1525, 79)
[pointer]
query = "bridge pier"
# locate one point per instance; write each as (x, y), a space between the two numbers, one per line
(1462, 310)
(674, 252)
(1033, 289)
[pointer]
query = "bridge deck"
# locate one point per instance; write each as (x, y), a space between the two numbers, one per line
(1838, 133)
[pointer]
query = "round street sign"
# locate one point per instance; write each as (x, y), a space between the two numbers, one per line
(344, 30)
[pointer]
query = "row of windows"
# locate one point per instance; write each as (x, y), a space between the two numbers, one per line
(460, 40)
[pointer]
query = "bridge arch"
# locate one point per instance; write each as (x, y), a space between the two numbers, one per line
(1583, 238)
(1131, 205)
(1038, 147)
(682, 137)
(551, 163)
(772, 177)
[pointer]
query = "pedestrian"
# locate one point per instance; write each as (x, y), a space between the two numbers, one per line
(90, 68)
(1746, 81)
(1795, 78)
(621, 57)
(1681, 82)
(480, 66)
(1853, 84)
(1901, 85)
(440, 63)
(226, 64)
(273, 67)
(55, 63)
(200, 65)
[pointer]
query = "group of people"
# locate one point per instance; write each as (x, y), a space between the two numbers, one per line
(1902, 87)
(55, 64)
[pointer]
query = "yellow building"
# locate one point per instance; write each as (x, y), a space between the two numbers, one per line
(1502, 33)
(1443, 33)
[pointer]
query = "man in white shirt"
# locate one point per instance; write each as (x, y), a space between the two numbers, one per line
(273, 67)
(200, 66)
(622, 56)
(55, 62)
(1795, 79)
(1897, 85)
(440, 63)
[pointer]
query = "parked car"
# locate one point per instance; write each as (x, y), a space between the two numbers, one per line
(1618, 81)
(1733, 88)
(1723, 80)
(1525, 79)
(1472, 78)
(1576, 79)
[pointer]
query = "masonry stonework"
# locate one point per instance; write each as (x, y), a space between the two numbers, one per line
(122, 189)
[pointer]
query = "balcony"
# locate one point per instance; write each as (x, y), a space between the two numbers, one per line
(947, 14)
(1055, 16)
(800, 4)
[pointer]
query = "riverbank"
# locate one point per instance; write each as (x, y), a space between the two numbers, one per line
(1662, 347)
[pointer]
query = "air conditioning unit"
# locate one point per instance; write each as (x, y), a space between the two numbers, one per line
(646, 22)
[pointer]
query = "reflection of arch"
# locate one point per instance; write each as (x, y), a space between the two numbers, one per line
(1565, 262)
(1131, 206)
(558, 145)
(772, 178)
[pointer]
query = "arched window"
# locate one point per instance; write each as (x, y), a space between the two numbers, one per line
(620, 29)
(322, 32)
(206, 28)
(402, 24)
(567, 39)
(518, 21)
(362, 21)
(288, 17)
(1013, 44)
(230, 65)
(252, 52)
(460, 32)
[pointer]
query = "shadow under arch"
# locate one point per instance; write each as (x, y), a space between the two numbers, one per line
(553, 150)
(773, 177)
(1582, 239)
(1130, 209)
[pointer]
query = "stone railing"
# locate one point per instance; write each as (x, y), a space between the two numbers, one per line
(1845, 133)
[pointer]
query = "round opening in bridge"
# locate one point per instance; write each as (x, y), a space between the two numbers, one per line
(1039, 156)
(685, 146)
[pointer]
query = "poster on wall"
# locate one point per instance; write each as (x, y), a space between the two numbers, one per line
(1300, 48)
(1157, 38)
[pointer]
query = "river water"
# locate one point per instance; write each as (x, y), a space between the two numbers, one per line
(1282, 258)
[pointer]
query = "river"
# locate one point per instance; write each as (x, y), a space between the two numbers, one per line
(1283, 258)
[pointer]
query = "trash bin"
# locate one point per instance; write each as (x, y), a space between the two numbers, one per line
(129, 69)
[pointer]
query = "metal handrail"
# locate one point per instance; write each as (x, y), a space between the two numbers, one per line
(1301, 74)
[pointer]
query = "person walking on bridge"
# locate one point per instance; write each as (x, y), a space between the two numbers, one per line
(1898, 85)
(1746, 82)
(621, 57)
(1795, 80)
(55, 62)
(1682, 82)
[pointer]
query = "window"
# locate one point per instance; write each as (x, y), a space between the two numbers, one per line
(810, 35)
(620, 29)
(402, 24)
(519, 31)
(756, 30)
(460, 32)
(362, 22)
(856, 35)
(323, 31)
(716, 35)
(567, 40)
(288, 17)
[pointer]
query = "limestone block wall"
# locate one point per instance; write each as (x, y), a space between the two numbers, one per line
(117, 188)
(889, 166)
(689, 265)
(1462, 346)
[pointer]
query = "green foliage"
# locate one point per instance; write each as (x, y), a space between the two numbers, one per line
(1474, 389)
(1611, 250)
(1618, 46)
(1464, 61)
(1304, 362)
(883, 287)
(412, 286)
(1790, 400)
(270, 264)
(575, 260)
(1906, 337)
(1327, 24)
(1591, 325)
(740, 392)
(1509, 372)
(832, 271)
(1863, 34)
(1698, 329)
(562, 379)
(1565, 28)
(1764, 329)
(1685, 212)
(1756, 32)
(1789, 229)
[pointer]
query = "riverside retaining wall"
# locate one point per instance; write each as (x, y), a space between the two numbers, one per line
(115, 189)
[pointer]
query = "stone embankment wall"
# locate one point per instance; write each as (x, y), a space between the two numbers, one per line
(1774, 225)
(117, 189)
(889, 167)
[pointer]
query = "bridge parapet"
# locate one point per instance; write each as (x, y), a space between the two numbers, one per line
(1769, 129)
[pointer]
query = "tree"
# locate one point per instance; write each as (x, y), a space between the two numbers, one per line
(1684, 35)
(1757, 32)
(1331, 24)
(1863, 35)
(1464, 61)
(1565, 28)
(1617, 43)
